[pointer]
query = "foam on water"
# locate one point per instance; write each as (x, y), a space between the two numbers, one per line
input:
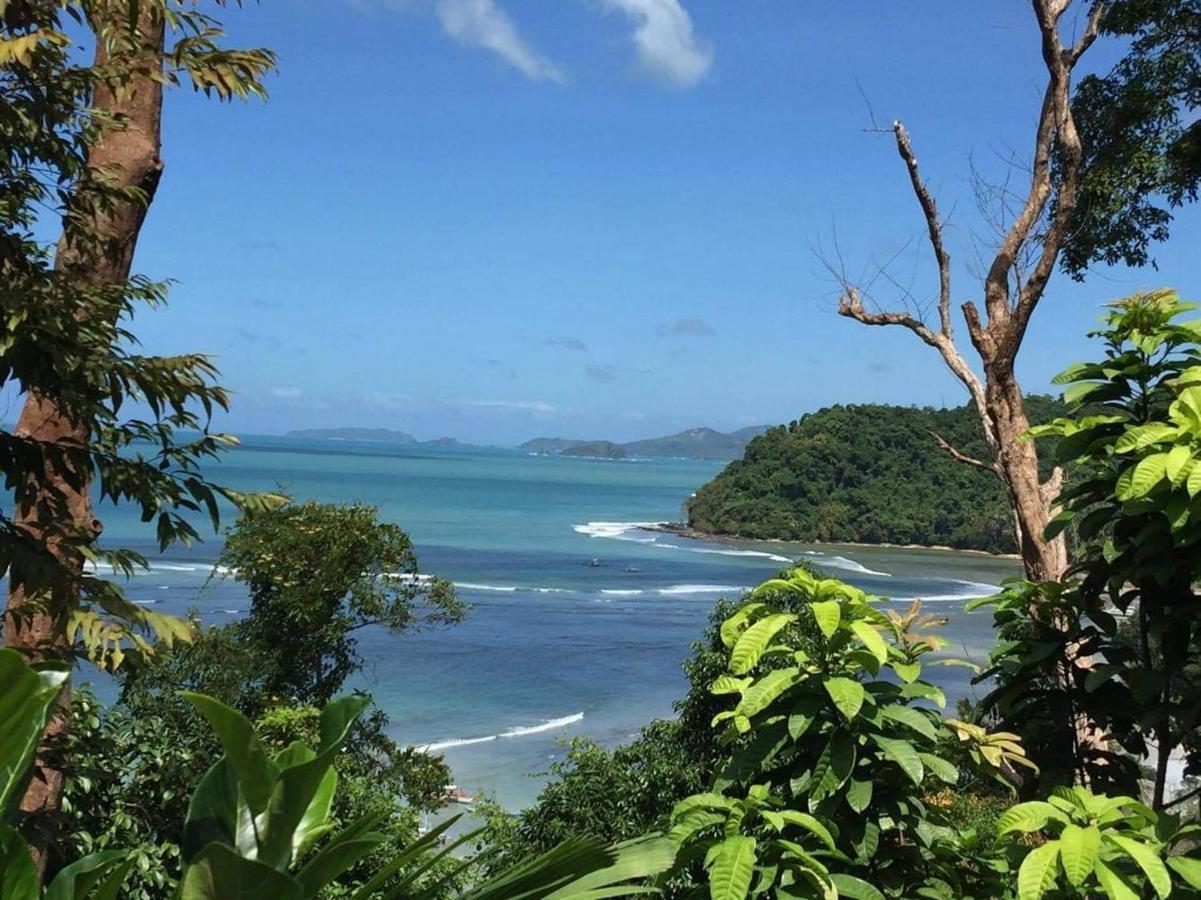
(619, 531)
(621, 592)
(472, 586)
(684, 589)
(971, 590)
(841, 562)
(514, 732)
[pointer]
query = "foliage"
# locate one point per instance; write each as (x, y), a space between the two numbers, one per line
(66, 338)
(833, 751)
(1141, 136)
(357, 572)
(1134, 442)
(865, 474)
(27, 699)
(1096, 845)
(129, 765)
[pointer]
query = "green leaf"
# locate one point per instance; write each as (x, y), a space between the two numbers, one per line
(1144, 436)
(1187, 868)
(766, 691)
(940, 768)
(827, 614)
(1147, 859)
(1177, 466)
(18, 874)
(1037, 874)
(833, 767)
(907, 672)
(911, 718)
(847, 695)
(872, 640)
(1193, 484)
(333, 860)
(1142, 478)
(97, 876)
(1078, 851)
(1116, 885)
(218, 873)
(1027, 817)
(859, 794)
(855, 888)
(26, 702)
(256, 773)
(903, 754)
(732, 869)
(731, 628)
(750, 645)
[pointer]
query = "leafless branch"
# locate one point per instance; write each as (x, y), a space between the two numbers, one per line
(958, 456)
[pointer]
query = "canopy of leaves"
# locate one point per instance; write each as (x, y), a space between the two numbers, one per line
(1142, 139)
(869, 474)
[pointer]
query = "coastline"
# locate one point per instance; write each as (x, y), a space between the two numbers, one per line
(685, 531)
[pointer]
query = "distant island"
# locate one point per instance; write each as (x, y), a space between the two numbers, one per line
(695, 443)
(865, 474)
(595, 449)
(376, 435)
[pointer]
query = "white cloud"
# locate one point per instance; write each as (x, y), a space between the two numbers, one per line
(481, 23)
(287, 393)
(531, 406)
(665, 41)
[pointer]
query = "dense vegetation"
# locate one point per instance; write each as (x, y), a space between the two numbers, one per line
(865, 474)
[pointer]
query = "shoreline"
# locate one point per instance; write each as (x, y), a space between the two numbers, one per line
(683, 530)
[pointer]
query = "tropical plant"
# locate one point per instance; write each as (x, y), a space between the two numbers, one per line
(1091, 846)
(27, 698)
(1134, 442)
(833, 748)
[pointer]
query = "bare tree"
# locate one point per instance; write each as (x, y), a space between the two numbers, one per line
(1014, 283)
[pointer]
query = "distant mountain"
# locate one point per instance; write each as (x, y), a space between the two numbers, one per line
(443, 442)
(597, 449)
(695, 443)
(548, 445)
(375, 435)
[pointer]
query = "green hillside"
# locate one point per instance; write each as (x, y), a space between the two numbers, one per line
(870, 474)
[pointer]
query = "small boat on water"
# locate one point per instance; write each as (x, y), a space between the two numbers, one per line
(455, 794)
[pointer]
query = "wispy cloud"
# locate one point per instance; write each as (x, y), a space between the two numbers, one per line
(566, 342)
(664, 39)
(530, 406)
(287, 393)
(481, 23)
(605, 374)
(686, 328)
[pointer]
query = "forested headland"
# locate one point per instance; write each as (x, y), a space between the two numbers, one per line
(871, 474)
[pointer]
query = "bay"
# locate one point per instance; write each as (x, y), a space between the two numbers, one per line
(580, 618)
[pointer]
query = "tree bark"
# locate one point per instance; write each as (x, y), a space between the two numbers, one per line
(96, 250)
(1017, 465)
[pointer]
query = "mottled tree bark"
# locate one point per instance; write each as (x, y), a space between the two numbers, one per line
(96, 250)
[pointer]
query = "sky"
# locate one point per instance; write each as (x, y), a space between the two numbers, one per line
(497, 219)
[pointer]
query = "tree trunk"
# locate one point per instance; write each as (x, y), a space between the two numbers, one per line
(1017, 462)
(95, 250)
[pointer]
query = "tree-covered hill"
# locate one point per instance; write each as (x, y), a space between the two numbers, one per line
(870, 474)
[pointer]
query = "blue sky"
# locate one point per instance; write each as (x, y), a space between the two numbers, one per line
(497, 219)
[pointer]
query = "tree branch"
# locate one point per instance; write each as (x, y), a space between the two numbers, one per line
(933, 226)
(958, 456)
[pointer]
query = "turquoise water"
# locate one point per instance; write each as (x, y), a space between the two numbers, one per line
(580, 619)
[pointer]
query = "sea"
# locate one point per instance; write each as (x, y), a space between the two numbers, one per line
(580, 615)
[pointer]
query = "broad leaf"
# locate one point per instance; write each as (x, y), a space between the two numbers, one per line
(26, 702)
(911, 718)
(255, 771)
(750, 645)
(855, 888)
(1027, 817)
(827, 614)
(847, 695)
(218, 873)
(872, 640)
(1147, 859)
(1037, 873)
(903, 754)
(732, 869)
(1078, 851)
